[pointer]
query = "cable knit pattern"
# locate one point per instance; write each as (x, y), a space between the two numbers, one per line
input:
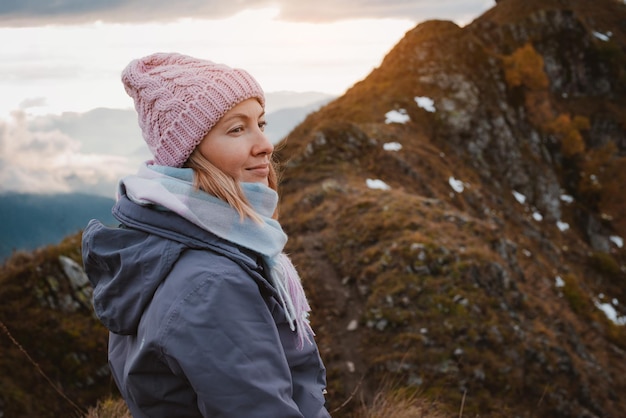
(180, 98)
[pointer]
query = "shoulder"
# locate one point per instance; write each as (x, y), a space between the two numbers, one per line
(210, 290)
(221, 262)
(219, 276)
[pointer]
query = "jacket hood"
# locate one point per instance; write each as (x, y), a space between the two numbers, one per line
(126, 264)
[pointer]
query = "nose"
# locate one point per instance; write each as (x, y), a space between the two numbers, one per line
(262, 144)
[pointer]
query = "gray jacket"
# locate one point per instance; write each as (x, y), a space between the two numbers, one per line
(197, 330)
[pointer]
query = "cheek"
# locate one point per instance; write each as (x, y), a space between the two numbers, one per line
(225, 158)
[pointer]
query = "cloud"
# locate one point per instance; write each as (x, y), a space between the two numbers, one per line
(416, 10)
(89, 152)
(40, 12)
(101, 131)
(71, 152)
(33, 102)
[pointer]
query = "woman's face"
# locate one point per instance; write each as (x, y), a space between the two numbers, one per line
(237, 145)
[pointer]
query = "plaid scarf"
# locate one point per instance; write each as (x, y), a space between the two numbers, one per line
(172, 189)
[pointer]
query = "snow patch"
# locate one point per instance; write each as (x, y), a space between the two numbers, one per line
(618, 241)
(558, 282)
(377, 184)
(567, 198)
(425, 103)
(563, 226)
(397, 116)
(457, 185)
(610, 313)
(519, 197)
(353, 325)
(602, 36)
(537, 216)
(392, 146)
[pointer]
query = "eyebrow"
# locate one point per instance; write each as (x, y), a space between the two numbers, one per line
(241, 116)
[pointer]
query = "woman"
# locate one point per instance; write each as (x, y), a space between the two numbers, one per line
(207, 316)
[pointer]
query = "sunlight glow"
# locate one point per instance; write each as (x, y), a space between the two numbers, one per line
(76, 68)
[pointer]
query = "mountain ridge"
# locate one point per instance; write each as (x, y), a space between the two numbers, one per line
(524, 233)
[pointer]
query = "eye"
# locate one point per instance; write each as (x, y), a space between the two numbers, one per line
(236, 130)
(262, 125)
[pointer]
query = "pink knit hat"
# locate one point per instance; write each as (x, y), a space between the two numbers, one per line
(180, 98)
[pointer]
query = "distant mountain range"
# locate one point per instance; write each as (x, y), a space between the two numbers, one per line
(102, 145)
(282, 121)
(33, 220)
(30, 221)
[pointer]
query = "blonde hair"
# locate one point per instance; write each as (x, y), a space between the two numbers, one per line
(214, 181)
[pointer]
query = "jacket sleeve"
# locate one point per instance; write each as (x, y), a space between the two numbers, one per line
(222, 337)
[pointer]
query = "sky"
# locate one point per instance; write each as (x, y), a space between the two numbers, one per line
(60, 65)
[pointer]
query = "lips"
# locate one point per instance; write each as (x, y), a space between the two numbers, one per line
(261, 170)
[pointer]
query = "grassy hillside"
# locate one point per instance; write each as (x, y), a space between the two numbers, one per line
(458, 219)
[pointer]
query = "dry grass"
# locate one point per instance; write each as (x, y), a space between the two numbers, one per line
(399, 404)
(396, 404)
(109, 408)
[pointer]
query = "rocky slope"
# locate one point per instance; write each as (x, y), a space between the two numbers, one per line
(458, 215)
(53, 361)
(457, 218)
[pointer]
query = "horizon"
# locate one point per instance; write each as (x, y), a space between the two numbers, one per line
(62, 64)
